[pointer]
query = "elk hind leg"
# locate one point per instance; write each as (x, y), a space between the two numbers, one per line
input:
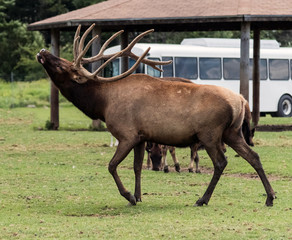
(237, 142)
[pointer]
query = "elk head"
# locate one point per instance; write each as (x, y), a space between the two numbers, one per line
(60, 70)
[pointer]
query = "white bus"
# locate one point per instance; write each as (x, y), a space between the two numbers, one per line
(217, 61)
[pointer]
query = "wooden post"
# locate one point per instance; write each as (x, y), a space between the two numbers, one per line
(124, 44)
(256, 77)
(54, 99)
(96, 45)
(244, 60)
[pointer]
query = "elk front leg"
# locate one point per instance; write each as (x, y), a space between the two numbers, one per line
(138, 162)
(176, 163)
(164, 164)
(194, 158)
(148, 148)
(122, 151)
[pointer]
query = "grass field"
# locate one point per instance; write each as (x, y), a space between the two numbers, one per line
(55, 185)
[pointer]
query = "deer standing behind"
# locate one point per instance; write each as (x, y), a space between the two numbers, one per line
(130, 105)
(156, 157)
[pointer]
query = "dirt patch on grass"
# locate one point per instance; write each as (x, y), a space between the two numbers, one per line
(209, 171)
(40, 147)
(15, 121)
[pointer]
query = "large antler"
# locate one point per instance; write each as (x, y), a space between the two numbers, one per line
(79, 51)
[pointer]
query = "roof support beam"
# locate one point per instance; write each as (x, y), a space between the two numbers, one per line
(54, 99)
(124, 44)
(244, 60)
(256, 77)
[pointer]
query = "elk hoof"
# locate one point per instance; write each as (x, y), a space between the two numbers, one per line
(200, 203)
(138, 199)
(177, 167)
(130, 198)
(269, 201)
(191, 170)
(198, 171)
(166, 170)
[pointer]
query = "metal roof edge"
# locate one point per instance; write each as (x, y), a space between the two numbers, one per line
(152, 21)
(131, 21)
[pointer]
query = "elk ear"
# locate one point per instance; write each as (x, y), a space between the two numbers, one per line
(79, 79)
(59, 69)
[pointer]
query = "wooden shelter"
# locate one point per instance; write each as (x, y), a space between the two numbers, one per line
(171, 15)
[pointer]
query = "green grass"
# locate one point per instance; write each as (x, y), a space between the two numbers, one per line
(55, 185)
(267, 120)
(22, 94)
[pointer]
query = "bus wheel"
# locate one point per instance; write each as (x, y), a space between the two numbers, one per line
(285, 106)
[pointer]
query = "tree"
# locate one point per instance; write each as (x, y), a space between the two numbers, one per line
(29, 11)
(17, 44)
(83, 3)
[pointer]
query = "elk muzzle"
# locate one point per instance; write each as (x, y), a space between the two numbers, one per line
(40, 56)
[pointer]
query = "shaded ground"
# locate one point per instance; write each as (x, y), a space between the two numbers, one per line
(274, 128)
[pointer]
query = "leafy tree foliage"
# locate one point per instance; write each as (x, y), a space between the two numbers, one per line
(29, 11)
(19, 46)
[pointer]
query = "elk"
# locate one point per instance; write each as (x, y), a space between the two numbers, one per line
(130, 105)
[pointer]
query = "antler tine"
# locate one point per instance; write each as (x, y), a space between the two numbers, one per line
(146, 61)
(125, 52)
(81, 44)
(76, 42)
(151, 63)
(79, 52)
(110, 40)
(128, 72)
(86, 49)
(75, 48)
(118, 54)
(77, 33)
(102, 49)
(132, 44)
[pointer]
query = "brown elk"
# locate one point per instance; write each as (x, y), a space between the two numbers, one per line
(130, 105)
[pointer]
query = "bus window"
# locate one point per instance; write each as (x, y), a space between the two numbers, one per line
(139, 69)
(210, 68)
(263, 69)
(279, 69)
(231, 68)
(151, 71)
(112, 69)
(186, 67)
(167, 69)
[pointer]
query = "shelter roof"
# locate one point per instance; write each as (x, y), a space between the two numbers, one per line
(179, 15)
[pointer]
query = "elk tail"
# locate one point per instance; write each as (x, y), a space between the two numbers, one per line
(246, 126)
